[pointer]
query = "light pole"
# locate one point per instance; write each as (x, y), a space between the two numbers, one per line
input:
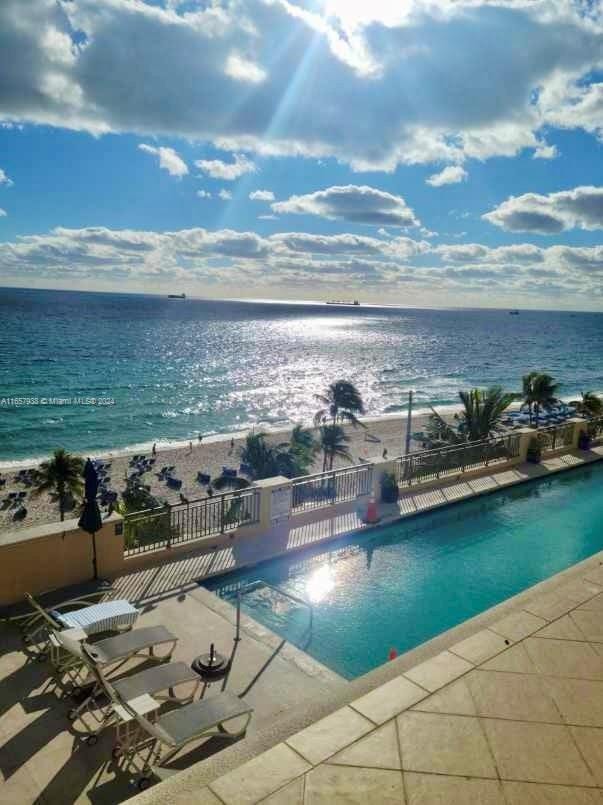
(409, 423)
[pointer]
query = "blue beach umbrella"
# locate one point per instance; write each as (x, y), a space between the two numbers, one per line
(90, 519)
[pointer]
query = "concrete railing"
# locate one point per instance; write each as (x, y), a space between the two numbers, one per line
(48, 557)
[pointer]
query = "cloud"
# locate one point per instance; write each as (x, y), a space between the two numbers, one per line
(225, 195)
(5, 180)
(2, 213)
(203, 194)
(262, 195)
(276, 78)
(359, 205)
(580, 208)
(168, 159)
(242, 69)
(452, 174)
(400, 268)
(227, 171)
(544, 151)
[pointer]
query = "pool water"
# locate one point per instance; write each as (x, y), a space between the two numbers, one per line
(402, 584)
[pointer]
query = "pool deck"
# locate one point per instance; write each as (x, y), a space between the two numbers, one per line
(316, 738)
(510, 714)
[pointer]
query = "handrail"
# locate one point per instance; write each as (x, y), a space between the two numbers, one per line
(171, 506)
(460, 446)
(337, 471)
(296, 600)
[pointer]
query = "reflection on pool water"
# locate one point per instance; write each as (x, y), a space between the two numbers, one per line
(397, 586)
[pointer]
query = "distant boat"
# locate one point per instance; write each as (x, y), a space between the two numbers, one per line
(176, 296)
(336, 302)
(514, 313)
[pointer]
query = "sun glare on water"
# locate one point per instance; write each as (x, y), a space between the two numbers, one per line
(320, 584)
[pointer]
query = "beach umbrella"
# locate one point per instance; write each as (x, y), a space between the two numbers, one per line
(90, 520)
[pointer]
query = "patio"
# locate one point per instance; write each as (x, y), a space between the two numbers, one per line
(42, 756)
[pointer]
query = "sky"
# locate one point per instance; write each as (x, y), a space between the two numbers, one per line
(412, 152)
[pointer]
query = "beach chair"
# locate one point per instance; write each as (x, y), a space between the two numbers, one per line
(159, 681)
(76, 613)
(158, 741)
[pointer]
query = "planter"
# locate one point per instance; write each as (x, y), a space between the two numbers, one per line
(584, 441)
(534, 453)
(389, 488)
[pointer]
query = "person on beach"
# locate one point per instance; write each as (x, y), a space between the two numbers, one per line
(231, 445)
(154, 449)
(190, 447)
(200, 438)
(385, 452)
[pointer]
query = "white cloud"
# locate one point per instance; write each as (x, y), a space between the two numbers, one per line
(227, 171)
(2, 213)
(267, 217)
(262, 195)
(452, 174)
(275, 78)
(203, 194)
(225, 195)
(352, 203)
(544, 151)
(295, 259)
(580, 208)
(4, 179)
(242, 69)
(168, 159)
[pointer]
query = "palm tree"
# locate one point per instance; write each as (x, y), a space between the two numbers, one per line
(482, 412)
(302, 449)
(61, 477)
(539, 392)
(333, 443)
(590, 405)
(342, 402)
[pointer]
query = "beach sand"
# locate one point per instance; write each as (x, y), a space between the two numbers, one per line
(208, 456)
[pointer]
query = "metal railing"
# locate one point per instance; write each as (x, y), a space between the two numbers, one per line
(170, 525)
(326, 488)
(555, 437)
(430, 465)
(594, 428)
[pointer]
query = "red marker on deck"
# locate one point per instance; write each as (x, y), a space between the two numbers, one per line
(392, 654)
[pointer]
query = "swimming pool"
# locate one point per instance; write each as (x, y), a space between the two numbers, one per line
(402, 584)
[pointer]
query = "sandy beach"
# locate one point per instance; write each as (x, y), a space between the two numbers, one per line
(207, 456)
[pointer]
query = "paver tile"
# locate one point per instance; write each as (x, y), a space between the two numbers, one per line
(329, 785)
(389, 699)
(330, 734)
(563, 628)
(260, 776)
(590, 623)
(565, 658)
(438, 671)
(439, 789)
(453, 699)
(377, 750)
(517, 696)
(590, 743)
(540, 753)
(518, 625)
(538, 794)
(579, 700)
(443, 744)
(514, 660)
(480, 646)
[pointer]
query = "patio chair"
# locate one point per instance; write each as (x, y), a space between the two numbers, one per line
(159, 681)
(159, 741)
(77, 613)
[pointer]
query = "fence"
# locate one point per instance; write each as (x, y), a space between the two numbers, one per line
(429, 465)
(555, 436)
(326, 488)
(170, 525)
(595, 428)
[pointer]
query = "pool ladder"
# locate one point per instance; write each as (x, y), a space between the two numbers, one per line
(296, 600)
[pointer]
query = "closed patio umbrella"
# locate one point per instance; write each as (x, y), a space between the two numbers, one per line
(90, 520)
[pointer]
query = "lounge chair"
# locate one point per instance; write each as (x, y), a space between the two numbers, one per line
(159, 741)
(81, 613)
(159, 681)
(71, 655)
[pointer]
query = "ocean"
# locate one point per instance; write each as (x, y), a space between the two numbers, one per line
(97, 371)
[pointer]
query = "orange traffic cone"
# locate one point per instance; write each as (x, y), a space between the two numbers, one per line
(371, 512)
